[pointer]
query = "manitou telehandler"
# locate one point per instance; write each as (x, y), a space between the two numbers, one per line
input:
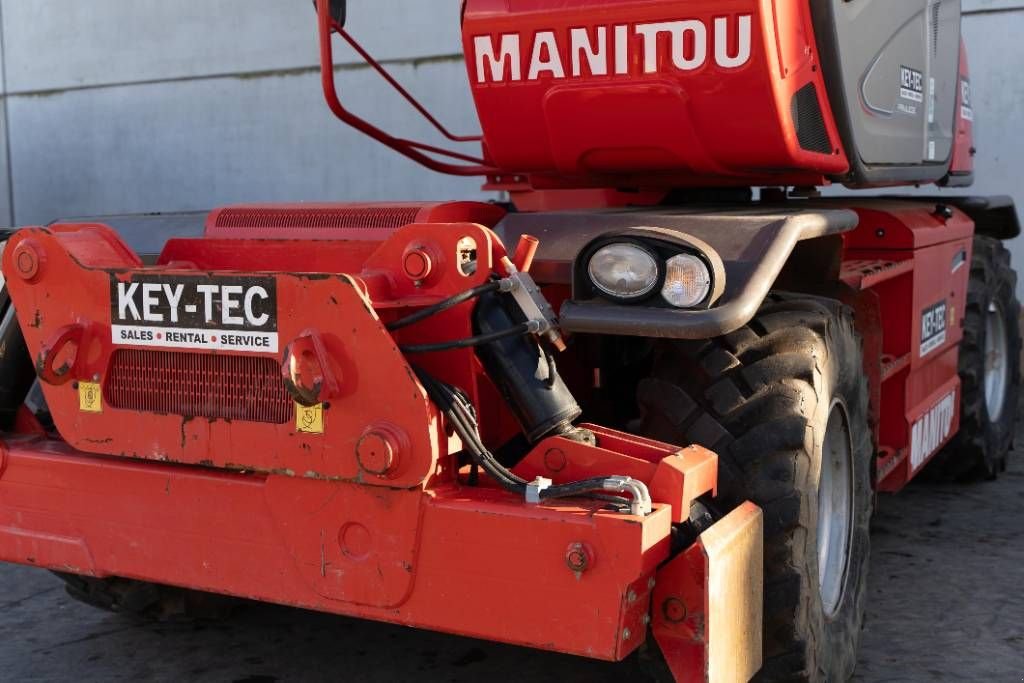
(376, 410)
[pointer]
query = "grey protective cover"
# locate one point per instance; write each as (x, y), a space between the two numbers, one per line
(893, 76)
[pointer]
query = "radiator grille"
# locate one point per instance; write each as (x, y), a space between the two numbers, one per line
(810, 124)
(312, 217)
(198, 385)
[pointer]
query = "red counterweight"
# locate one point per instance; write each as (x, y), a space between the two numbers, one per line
(279, 404)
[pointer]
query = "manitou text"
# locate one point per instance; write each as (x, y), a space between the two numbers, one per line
(932, 430)
(685, 45)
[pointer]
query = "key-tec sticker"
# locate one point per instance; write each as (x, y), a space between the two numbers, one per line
(966, 108)
(911, 91)
(933, 328)
(911, 84)
(195, 312)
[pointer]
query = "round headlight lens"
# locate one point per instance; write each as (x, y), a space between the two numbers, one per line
(624, 271)
(687, 281)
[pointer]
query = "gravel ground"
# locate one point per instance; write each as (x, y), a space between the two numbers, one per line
(947, 604)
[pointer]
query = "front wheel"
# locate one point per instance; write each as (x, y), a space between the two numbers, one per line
(784, 403)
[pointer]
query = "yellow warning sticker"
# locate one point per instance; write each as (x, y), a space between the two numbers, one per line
(89, 398)
(309, 419)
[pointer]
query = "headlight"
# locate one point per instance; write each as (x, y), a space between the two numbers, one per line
(624, 271)
(687, 281)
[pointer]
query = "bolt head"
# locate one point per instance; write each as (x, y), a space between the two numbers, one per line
(378, 451)
(555, 459)
(674, 610)
(28, 260)
(417, 264)
(578, 558)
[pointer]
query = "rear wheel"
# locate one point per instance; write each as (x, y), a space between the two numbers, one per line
(989, 369)
(783, 401)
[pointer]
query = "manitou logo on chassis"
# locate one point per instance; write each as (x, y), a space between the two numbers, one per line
(932, 430)
(609, 50)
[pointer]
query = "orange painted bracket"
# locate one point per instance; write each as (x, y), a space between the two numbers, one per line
(675, 476)
(563, 460)
(707, 608)
(683, 477)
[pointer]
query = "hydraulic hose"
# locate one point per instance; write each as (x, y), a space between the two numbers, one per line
(459, 412)
(479, 340)
(442, 306)
(456, 409)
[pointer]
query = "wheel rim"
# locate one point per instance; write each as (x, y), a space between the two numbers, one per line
(996, 366)
(835, 509)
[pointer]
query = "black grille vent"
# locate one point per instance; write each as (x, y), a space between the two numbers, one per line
(244, 388)
(809, 122)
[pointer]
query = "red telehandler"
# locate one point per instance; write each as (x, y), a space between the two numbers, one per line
(640, 410)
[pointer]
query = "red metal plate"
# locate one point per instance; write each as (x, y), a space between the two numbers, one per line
(485, 564)
(376, 389)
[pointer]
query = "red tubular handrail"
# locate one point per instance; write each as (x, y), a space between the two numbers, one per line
(386, 75)
(408, 148)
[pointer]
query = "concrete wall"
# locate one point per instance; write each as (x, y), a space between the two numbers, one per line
(115, 106)
(112, 106)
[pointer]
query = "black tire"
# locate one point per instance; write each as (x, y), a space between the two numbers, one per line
(761, 398)
(148, 601)
(981, 447)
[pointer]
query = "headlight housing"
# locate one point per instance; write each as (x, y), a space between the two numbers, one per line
(624, 270)
(687, 281)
